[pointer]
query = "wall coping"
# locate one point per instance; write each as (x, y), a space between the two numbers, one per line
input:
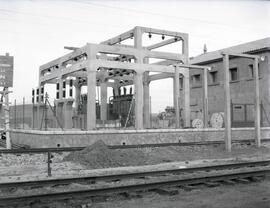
(68, 132)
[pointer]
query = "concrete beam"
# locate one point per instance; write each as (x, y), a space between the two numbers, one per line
(160, 76)
(119, 38)
(240, 55)
(134, 66)
(163, 32)
(163, 43)
(59, 61)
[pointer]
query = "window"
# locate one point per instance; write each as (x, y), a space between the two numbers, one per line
(233, 74)
(181, 82)
(213, 77)
(251, 71)
(196, 80)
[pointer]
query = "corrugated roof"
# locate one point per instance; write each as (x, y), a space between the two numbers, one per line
(242, 48)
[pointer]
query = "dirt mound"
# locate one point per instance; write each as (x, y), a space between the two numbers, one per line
(98, 155)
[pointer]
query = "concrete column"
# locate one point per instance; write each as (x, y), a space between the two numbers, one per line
(205, 97)
(138, 81)
(77, 97)
(257, 105)
(186, 99)
(115, 88)
(103, 100)
(60, 105)
(185, 50)
(68, 113)
(139, 100)
(227, 110)
(91, 98)
(176, 96)
(146, 101)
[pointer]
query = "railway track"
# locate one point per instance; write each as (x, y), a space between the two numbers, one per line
(70, 149)
(148, 180)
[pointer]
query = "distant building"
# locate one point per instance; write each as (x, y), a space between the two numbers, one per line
(242, 83)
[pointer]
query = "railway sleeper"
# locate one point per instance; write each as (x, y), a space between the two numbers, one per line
(165, 191)
(242, 180)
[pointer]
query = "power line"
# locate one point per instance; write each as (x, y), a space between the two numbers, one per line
(59, 18)
(165, 15)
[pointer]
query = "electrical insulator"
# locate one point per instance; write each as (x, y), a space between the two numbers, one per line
(41, 93)
(163, 37)
(37, 95)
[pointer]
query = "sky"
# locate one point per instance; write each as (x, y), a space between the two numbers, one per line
(36, 31)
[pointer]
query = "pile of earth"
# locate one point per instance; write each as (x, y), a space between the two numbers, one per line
(99, 155)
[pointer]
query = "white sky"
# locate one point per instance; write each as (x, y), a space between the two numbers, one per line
(36, 31)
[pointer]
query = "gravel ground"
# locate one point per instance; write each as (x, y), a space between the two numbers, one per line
(231, 196)
(25, 167)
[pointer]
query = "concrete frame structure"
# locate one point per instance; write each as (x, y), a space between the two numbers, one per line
(227, 111)
(93, 62)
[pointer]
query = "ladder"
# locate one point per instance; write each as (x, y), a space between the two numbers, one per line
(129, 111)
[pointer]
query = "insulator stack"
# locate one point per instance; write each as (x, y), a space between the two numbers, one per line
(37, 95)
(41, 93)
(64, 88)
(70, 87)
(57, 90)
(33, 96)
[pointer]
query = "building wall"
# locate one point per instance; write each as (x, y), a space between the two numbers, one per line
(242, 90)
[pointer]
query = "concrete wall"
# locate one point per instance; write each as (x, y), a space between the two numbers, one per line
(116, 137)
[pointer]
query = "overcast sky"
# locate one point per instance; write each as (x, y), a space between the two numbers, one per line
(35, 31)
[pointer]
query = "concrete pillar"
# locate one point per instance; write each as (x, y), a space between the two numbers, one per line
(91, 98)
(227, 110)
(103, 100)
(146, 101)
(176, 96)
(257, 105)
(77, 97)
(139, 100)
(186, 99)
(138, 80)
(205, 97)
(68, 113)
(60, 105)
(115, 88)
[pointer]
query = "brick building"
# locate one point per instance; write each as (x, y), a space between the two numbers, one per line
(241, 83)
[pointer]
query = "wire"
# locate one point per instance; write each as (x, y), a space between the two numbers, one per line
(165, 15)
